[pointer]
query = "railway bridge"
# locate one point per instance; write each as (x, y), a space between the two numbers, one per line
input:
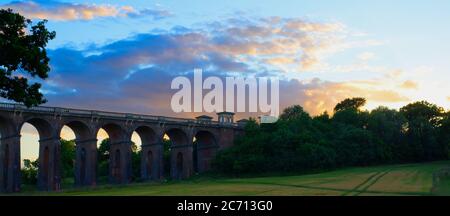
(210, 137)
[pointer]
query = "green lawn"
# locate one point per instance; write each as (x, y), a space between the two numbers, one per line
(410, 179)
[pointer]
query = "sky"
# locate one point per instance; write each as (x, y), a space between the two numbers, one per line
(122, 55)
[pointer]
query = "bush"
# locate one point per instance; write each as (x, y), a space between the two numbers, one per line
(29, 172)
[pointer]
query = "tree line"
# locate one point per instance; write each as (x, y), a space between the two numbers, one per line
(298, 142)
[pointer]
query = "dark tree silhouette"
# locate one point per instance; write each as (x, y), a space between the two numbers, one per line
(351, 137)
(350, 103)
(22, 54)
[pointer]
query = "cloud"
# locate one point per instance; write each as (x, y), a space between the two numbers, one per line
(317, 95)
(62, 11)
(134, 74)
(366, 56)
(155, 13)
(409, 84)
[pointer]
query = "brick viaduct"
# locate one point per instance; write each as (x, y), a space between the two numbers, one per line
(210, 136)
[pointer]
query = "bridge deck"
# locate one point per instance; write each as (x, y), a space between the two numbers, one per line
(104, 114)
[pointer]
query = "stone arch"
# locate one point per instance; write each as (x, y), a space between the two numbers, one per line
(177, 136)
(115, 131)
(180, 145)
(81, 129)
(86, 152)
(119, 146)
(147, 134)
(49, 176)
(45, 129)
(151, 152)
(205, 148)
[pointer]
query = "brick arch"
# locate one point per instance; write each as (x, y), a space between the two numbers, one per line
(151, 151)
(177, 136)
(147, 134)
(49, 176)
(214, 133)
(120, 152)
(115, 131)
(205, 148)
(81, 129)
(44, 127)
(181, 144)
(85, 152)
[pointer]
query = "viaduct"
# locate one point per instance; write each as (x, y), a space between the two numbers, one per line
(210, 137)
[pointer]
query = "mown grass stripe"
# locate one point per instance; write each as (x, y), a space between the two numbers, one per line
(362, 184)
(364, 189)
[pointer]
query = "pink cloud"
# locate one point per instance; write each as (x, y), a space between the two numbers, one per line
(60, 11)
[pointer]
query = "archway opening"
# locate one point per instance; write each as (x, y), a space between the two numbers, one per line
(166, 156)
(36, 159)
(204, 149)
(143, 138)
(111, 169)
(175, 143)
(136, 148)
(67, 156)
(103, 156)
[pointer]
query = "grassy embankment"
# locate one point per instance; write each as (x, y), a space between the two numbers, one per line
(409, 179)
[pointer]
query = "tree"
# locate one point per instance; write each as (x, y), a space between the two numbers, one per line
(351, 117)
(423, 110)
(67, 158)
(22, 53)
(103, 158)
(293, 112)
(422, 131)
(299, 143)
(348, 112)
(166, 157)
(135, 161)
(350, 103)
(388, 124)
(29, 172)
(444, 135)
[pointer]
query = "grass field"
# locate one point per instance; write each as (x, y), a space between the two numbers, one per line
(410, 179)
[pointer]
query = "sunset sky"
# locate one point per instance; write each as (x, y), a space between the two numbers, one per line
(122, 55)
